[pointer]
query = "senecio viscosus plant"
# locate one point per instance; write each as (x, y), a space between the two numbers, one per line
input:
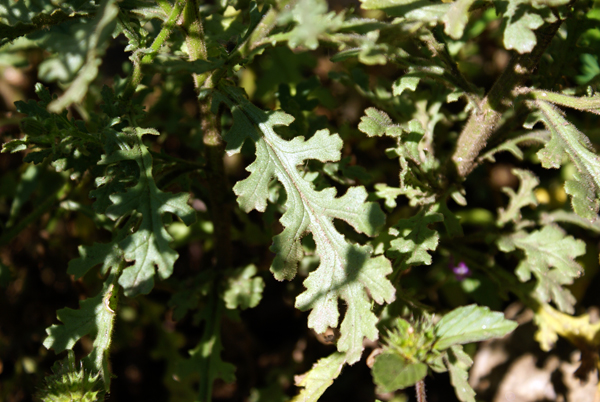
(412, 65)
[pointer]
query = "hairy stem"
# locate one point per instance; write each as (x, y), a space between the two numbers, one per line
(420, 390)
(483, 123)
(214, 149)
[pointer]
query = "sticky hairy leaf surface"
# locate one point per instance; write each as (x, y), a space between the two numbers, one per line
(205, 359)
(414, 238)
(550, 257)
(312, 20)
(346, 270)
(319, 378)
(521, 21)
(391, 372)
(18, 18)
(471, 324)
(95, 317)
(524, 197)
(458, 363)
(243, 289)
(148, 247)
(584, 186)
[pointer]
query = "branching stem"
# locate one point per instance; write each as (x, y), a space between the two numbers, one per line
(482, 124)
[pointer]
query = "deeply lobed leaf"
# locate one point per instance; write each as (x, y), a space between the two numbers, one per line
(346, 270)
(550, 256)
(584, 187)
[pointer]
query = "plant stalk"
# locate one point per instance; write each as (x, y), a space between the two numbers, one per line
(214, 149)
(483, 123)
(420, 391)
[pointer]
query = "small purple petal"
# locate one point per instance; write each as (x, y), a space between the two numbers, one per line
(461, 271)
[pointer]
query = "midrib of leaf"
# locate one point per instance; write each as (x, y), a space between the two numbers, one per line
(312, 211)
(324, 232)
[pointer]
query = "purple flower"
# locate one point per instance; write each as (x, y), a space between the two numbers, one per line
(461, 271)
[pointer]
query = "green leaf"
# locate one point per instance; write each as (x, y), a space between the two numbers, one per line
(456, 18)
(419, 10)
(392, 372)
(471, 324)
(584, 187)
(95, 318)
(66, 143)
(570, 217)
(96, 33)
(587, 103)
(376, 123)
(521, 20)
(451, 221)
(550, 256)
(242, 289)
(414, 238)
(107, 254)
(407, 81)
(346, 270)
(21, 17)
(389, 194)
(149, 245)
(312, 22)
(457, 363)
(524, 197)
(205, 359)
(319, 378)
(512, 145)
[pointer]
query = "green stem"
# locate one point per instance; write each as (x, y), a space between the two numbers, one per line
(163, 35)
(214, 149)
(195, 40)
(483, 123)
(13, 231)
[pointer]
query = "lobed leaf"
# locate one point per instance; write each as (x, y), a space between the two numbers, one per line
(243, 289)
(312, 22)
(414, 238)
(550, 256)
(457, 363)
(521, 21)
(96, 34)
(524, 197)
(584, 186)
(21, 17)
(456, 18)
(319, 378)
(471, 324)
(148, 246)
(205, 358)
(346, 270)
(95, 318)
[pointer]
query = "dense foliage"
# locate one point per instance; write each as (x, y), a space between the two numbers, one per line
(405, 169)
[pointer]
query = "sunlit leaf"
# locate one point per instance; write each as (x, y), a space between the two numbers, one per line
(346, 270)
(584, 187)
(471, 324)
(550, 256)
(319, 378)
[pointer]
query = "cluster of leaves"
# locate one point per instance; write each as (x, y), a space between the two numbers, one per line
(435, 120)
